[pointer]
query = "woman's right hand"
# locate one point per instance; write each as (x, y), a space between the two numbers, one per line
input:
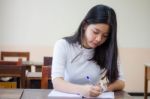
(84, 90)
(90, 91)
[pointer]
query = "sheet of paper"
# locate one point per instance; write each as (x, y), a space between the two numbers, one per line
(58, 94)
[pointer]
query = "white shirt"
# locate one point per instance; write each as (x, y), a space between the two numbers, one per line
(71, 61)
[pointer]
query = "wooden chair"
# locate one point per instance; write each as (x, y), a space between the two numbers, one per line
(146, 79)
(14, 55)
(43, 76)
(47, 61)
(19, 62)
(13, 69)
(5, 54)
(46, 73)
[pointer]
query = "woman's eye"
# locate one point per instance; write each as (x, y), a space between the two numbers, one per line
(105, 36)
(95, 32)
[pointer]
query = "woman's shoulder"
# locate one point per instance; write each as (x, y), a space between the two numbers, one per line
(61, 42)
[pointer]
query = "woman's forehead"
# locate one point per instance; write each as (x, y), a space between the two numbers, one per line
(100, 27)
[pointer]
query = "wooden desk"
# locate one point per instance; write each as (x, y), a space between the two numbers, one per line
(122, 95)
(11, 93)
(35, 94)
(147, 77)
(14, 71)
(43, 94)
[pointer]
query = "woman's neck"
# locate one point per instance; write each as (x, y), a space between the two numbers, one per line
(84, 44)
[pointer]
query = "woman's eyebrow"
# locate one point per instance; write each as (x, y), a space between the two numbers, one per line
(97, 30)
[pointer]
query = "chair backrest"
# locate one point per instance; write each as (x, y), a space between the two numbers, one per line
(6, 54)
(46, 72)
(47, 61)
(3, 62)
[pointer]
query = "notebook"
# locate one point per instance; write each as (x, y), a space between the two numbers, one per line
(57, 94)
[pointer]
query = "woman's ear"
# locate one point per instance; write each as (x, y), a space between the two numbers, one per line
(84, 25)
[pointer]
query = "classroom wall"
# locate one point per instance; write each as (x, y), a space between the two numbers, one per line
(35, 26)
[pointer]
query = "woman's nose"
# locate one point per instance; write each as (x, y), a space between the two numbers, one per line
(99, 38)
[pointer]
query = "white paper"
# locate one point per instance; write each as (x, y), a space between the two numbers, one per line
(58, 94)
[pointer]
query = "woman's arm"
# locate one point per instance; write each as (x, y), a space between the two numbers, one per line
(117, 85)
(85, 90)
(58, 67)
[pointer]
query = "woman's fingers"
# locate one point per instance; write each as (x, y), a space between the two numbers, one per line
(95, 91)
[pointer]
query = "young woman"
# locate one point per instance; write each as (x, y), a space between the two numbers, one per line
(87, 62)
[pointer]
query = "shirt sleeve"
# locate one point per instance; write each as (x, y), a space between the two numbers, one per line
(59, 59)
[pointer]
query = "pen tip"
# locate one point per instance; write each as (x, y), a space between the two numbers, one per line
(87, 77)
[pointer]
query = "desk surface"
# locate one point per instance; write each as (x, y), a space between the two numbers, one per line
(42, 94)
(11, 93)
(35, 94)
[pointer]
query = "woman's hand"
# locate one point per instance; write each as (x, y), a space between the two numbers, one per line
(84, 90)
(90, 91)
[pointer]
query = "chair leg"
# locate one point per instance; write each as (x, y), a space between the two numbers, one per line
(145, 84)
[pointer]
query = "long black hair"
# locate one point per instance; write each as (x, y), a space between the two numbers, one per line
(105, 55)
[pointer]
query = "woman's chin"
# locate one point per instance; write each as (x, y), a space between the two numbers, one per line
(93, 46)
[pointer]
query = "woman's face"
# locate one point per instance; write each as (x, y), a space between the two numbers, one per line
(95, 35)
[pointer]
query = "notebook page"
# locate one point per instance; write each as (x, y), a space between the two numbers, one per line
(58, 94)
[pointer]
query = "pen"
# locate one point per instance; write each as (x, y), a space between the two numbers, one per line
(90, 81)
(81, 95)
(102, 87)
